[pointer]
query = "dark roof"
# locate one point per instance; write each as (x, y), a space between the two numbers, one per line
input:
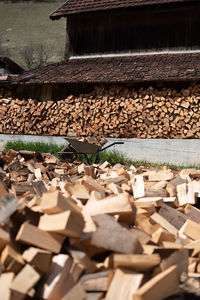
(80, 6)
(118, 69)
(10, 65)
(4, 79)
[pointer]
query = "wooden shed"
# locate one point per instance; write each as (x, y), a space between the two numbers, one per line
(120, 41)
(8, 66)
(8, 70)
(124, 27)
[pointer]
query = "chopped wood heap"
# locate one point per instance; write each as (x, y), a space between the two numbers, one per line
(76, 231)
(95, 140)
(114, 112)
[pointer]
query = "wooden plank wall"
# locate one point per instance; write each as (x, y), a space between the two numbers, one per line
(134, 30)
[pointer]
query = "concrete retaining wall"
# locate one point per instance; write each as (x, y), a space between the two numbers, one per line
(172, 151)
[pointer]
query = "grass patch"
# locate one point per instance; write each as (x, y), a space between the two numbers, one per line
(38, 147)
(113, 157)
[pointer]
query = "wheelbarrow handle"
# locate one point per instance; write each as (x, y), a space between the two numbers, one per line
(115, 143)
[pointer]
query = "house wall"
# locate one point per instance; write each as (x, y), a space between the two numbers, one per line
(134, 30)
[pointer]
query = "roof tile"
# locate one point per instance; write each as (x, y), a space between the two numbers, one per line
(80, 6)
(185, 66)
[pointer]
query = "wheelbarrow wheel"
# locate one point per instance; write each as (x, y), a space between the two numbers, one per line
(68, 154)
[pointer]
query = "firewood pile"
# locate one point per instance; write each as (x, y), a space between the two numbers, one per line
(76, 231)
(115, 112)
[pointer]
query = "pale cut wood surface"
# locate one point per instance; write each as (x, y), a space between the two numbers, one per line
(124, 284)
(161, 286)
(32, 235)
(136, 262)
(24, 281)
(5, 282)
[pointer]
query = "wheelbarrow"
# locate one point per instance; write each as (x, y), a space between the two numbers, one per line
(75, 147)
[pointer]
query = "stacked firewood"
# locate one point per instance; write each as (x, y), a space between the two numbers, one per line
(74, 231)
(115, 112)
(4, 92)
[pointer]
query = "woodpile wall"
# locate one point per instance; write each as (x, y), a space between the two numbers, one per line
(113, 112)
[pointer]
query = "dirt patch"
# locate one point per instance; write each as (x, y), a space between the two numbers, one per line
(25, 23)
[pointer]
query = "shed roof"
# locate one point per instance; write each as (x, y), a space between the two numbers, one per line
(80, 6)
(164, 67)
(10, 65)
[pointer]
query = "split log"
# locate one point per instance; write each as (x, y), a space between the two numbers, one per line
(23, 282)
(122, 240)
(32, 235)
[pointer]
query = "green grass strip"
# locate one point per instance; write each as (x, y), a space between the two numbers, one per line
(37, 146)
(113, 157)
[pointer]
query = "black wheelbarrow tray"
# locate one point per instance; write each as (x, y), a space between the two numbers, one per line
(76, 147)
